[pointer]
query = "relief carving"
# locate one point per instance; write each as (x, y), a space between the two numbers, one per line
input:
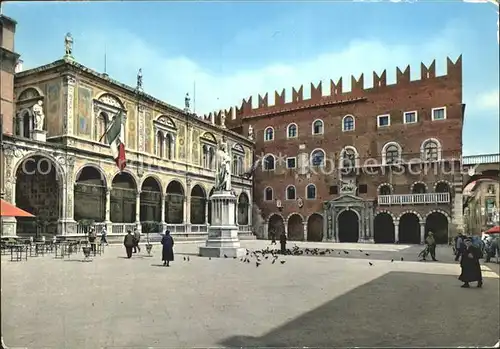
(110, 100)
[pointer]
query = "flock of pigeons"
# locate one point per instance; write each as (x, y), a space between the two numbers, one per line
(274, 254)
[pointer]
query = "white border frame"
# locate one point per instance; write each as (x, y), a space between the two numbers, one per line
(296, 131)
(322, 128)
(315, 192)
(384, 150)
(439, 149)
(264, 162)
(286, 192)
(324, 158)
(353, 123)
(432, 114)
(383, 116)
(286, 162)
(356, 156)
(409, 112)
(265, 133)
(272, 192)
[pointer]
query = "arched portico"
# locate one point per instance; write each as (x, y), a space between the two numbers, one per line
(383, 228)
(124, 196)
(174, 205)
(437, 221)
(275, 223)
(315, 227)
(198, 205)
(348, 224)
(409, 228)
(295, 224)
(90, 194)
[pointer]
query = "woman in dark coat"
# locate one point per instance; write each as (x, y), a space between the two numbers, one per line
(471, 269)
(168, 249)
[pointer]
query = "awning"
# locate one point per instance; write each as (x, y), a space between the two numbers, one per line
(9, 210)
(494, 230)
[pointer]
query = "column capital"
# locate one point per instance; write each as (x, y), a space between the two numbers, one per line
(138, 192)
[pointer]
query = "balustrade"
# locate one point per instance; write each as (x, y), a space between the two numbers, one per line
(481, 159)
(414, 199)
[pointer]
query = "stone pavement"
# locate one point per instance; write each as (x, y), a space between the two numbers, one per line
(308, 301)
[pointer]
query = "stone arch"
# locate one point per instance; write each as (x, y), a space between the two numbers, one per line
(423, 149)
(123, 198)
(438, 184)
(166, 120)
(156, 177)
(198, 204)
(174, 202)
(28, 93)
(348, 222)
(97, 168)
(419, 187)
(383, 227)
(388, 185)
(315, 227)
(409, 227)
(111, 100)
(295, 223)
(438, 222)
(243, 208)
(90, 193)
(128, 172)
(151, 199)
(346, 123)
(39, 189)
(276, 223)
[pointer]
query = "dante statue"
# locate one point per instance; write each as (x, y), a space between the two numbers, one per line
(250, 132)
(38, 114)
(187, 101)
(68, 44)
(139, 79)
(223, 176)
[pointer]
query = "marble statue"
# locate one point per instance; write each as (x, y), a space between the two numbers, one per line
(187, 102)
(348, 186)
(250, 132)
(223, 118)
(39, 116)
(68, 44)
(139, 79)
(223, 177)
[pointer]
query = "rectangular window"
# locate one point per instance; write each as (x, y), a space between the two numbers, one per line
(438, 113)
(410, 117)
(291, 162)
(334, 190)
(383, 120)
(363, 188)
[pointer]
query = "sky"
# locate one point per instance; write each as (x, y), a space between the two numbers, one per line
(229, 50)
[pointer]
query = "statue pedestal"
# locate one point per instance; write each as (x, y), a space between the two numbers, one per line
(39, 135)
(223, 232)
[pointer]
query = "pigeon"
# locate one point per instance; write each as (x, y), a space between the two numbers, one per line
(401, 258)
(274, 260)
(188, 258)
(367, 254)
(282, 262)
(361, 251)
(234, 257)
(184, 258)
(370, 263)
(257, 264)
(266, 257)
(392, 260)
(209, 258)
(346, 252)
(225, 256)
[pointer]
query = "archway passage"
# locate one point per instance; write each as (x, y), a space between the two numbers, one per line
(383, 229)
(38, 191)
(348, 223)
(409, 229)
(174, 205)
(209, 213)
(198, 204)
(243, 206)
(90, 195)
(295, 228)
(315, 227)
(275, 224)
(123, 199)
(438, 224)
(150, 201)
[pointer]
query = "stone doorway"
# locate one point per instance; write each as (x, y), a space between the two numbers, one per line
(348, 223)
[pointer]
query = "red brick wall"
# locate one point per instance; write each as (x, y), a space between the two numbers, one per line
(421, 95)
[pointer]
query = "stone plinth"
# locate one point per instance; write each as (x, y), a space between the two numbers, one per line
(39, 135)
(9, 225)
(223, 232)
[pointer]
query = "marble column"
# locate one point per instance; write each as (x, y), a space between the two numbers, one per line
(68, 102)
(107, 218)
(305, 231)
(187, 206)
(422, 232)
(396, 231)
(163, 198)
(207, 202)
(138, 210)
(326, 229)
(285, 223)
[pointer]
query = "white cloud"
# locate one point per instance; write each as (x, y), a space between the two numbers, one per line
(488, 101)
(169, 78)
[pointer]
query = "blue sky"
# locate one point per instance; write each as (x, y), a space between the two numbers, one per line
(237, 49)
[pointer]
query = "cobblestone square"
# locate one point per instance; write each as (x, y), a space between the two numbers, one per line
(307, 301)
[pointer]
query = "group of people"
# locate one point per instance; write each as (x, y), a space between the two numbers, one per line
(131, 243)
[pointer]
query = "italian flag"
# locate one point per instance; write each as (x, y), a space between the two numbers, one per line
(114, 136)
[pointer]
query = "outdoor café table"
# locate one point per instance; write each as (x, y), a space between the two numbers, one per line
(17, 251)
(60, 248)
(40, 248)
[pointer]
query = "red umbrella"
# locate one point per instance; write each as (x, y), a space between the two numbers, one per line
(9, 210)
(494, 230)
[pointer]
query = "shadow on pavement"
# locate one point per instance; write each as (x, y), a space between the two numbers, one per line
(395, 310)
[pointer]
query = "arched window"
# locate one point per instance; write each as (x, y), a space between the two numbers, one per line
(160, 144)
(291, 131)
(101, 127)
(348, 123)
(238, 156)
(311, 192)
(431, 150)
(269, 163)
(317, 127)
(419, 188)
(290, 193)
(391, 153)
(317, 157)
(208, 153)
(385, 189)
(269, 134)
(169, 146)
(268, 194)
(443, 187)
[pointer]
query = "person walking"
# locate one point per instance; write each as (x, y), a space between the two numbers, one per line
(471, 269)
(430, 241)
(167, 254)
(129, 243)
(92, 236)
(104, 236)
(283, 242)
(273, 237)
(459, 246)
(137, 239)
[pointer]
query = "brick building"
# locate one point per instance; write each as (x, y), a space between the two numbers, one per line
(379, 164)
